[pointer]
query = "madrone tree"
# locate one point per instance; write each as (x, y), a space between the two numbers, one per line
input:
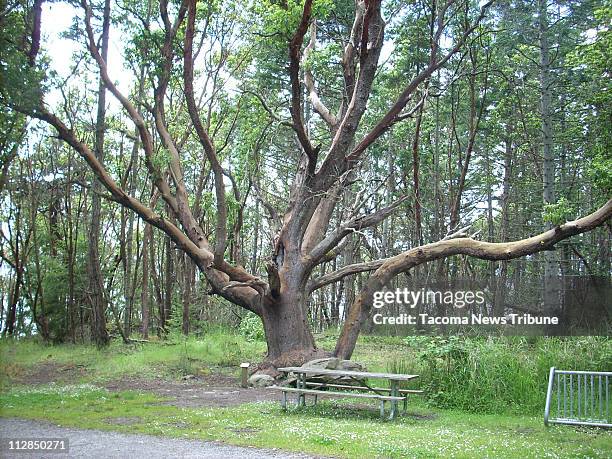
(304, 238)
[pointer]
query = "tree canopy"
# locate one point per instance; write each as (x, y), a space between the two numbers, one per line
(294, 158)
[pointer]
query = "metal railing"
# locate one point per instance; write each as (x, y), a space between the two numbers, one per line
(580, 398)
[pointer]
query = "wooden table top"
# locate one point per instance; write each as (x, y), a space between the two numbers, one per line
(354, 374)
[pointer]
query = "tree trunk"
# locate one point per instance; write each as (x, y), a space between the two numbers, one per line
(145, 282)
(99, 333)
(287, 331)
(11, 316)
(188, 275)
(501, 287)
(551, 280)
(168, 284)
(71, 257)
(415, 172)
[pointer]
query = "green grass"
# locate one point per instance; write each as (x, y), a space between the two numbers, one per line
(482, 375)
(492, 375)
(505, 376)
(329, 429)
(218, 350)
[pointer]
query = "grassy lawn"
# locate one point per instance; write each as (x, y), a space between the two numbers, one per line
(329, 429)
(216, 352)
(333, 428)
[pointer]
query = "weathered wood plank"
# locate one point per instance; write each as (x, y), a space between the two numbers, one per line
(346, 386)
(353, 374)
(336, 394)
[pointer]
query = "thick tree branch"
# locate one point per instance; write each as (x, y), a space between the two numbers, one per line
(320, 220)
(359, 310)
(309, 82)
(498, 250)
(310, 190)
(205, 140)
(356, 224)
(136, 117)
(335, 252)
(35, 39)
(343, 272)
(371, 42)
(349, 61)
(295, 47)
(215, 277)
(394, 113)
(183, 211)
(244, 296)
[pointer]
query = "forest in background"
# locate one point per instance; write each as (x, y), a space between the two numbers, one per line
(510, 137)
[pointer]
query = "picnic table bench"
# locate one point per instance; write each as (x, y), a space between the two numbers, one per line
(392, 394)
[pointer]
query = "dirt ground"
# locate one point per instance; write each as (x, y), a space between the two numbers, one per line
(212, 390)
(48, 372)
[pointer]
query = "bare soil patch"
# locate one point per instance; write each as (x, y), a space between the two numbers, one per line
(48, 372)
(206, 391)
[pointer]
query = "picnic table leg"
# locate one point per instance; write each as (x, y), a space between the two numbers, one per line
(382, 409)
(405, 402)
(298, 384)
(302, 385)
(284, 401)
(394, 393)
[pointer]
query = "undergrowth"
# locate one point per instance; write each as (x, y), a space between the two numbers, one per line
(219, 348)
(496, 374)
(481, 375)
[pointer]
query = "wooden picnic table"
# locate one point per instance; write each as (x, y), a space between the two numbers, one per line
(394, 392)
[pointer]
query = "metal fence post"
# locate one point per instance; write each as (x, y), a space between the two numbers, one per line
(551, 380)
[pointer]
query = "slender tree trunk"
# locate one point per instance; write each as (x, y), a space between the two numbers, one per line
(18, 267)
(255, 238)
(551, 281)
(490, 230)
(131, 273)
(335, 299)
(126, 263)
(502, 279)
(188, 275)
(168, 283)
(99, 333)
(144, 298)
(474, 122)
(2, 298)
(416, 161)
(565, 187)
(11, 317)
(70, 256)
(41, 320)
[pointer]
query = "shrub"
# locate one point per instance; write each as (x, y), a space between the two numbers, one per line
(251, 327)
(501, 374)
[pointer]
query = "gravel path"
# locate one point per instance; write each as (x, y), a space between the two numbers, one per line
(99, 444)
